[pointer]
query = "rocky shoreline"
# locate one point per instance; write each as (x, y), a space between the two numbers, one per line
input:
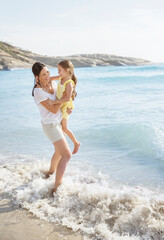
(13, 57)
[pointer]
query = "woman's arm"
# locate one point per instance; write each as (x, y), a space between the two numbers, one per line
(53, 78)
(52, 108)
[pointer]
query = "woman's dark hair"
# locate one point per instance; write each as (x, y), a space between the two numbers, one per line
(67, 65)
(36, 69)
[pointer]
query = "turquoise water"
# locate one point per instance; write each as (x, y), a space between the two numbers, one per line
(113, 187)
(118, 118)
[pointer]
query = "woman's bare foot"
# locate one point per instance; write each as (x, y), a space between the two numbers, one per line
(47, 174)
(54, 190)
(76, 147)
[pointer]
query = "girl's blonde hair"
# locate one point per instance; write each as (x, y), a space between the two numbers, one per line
(68, 66)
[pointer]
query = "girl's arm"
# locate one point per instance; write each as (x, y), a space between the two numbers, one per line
(66, 97)
(53, 78)
(52, 108)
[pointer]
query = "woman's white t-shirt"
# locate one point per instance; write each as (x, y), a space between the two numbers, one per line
(47, 116)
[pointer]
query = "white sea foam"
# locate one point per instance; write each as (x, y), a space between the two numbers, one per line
(86, 201)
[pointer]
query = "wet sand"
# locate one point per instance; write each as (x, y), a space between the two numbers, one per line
(18, 224)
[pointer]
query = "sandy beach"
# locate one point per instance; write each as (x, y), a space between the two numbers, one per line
(18, 224)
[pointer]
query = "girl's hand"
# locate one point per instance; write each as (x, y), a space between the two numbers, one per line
(69, 110)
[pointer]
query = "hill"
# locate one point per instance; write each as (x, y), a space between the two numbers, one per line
(13, 57)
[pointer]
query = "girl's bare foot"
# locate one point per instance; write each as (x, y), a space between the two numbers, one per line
(76, 147)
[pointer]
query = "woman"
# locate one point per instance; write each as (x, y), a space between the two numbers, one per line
(51, 117)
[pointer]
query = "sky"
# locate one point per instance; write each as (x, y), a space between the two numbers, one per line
(131, 28)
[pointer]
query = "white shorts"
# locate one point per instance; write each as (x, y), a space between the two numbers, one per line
(53, 131)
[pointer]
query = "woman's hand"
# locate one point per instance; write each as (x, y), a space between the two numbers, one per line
(69, 110)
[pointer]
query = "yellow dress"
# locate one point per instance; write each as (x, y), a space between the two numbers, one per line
(59, 94)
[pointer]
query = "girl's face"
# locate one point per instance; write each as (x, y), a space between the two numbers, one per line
(62, 72)
(44, 76)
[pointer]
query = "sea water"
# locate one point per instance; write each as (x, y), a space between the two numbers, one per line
(113, 187)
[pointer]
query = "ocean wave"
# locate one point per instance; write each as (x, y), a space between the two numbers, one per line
(143, 139)
(125, 71)
(87, 201)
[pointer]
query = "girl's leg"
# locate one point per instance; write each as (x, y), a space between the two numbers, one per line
(61, 146)
(70, 134)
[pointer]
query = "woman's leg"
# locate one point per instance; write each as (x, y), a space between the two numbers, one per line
(54, 162)
(61, 146)
(70, 134)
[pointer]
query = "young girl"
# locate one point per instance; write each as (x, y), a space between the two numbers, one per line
(65, 95)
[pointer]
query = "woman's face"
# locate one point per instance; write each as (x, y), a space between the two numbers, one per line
(44, 76)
